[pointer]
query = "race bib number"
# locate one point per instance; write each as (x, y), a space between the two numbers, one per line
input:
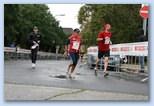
(76, 45)
(107, 40)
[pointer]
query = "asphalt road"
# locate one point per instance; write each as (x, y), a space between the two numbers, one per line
(20, 72)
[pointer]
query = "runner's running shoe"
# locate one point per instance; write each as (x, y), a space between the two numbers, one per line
(33, 66)
(96, 70)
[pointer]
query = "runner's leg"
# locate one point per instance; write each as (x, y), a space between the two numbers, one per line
(97, 61)
(106, 61)
(32, 55)
(33, 58)
(69, 66)
(75, 61)
(35, 55)
(73, 67)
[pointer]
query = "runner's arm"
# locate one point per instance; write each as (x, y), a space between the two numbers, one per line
(66, 47)
(99, 39)
(39, 38)
(30, 39)
(110, 42)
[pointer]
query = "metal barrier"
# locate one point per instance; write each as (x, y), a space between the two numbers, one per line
(114, 62)
(117, 63)
(18, 53)
(132, 58)
(134, 64)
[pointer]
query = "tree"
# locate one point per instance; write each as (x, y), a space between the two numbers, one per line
(23, 17)
(10, 23)
(124, 19)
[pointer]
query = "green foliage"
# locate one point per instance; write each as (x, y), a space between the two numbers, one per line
(20, 19)
(124, 19)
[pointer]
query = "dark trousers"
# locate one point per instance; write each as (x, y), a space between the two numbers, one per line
(34, 55)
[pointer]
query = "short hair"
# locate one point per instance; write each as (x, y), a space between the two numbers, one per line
(76, 30)
(35, 27)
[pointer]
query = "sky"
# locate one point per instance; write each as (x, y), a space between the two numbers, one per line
(69, 14)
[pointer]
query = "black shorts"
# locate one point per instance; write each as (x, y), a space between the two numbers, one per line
(103, 54)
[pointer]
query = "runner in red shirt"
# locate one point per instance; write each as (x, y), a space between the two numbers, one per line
(73, 48)
(104, 47)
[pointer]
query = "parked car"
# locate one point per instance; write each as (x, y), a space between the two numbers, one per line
(114, 62)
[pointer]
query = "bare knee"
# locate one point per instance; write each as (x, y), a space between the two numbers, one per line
(97, 60)
(106, 59)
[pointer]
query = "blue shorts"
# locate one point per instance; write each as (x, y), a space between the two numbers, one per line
(74, 57)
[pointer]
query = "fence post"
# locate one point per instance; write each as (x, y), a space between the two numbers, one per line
(141, 61)
(101, 64)
(16, 53)
(119, 65)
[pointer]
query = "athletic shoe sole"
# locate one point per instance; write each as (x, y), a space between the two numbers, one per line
(70, 77)
(106, 74)
(96, 72)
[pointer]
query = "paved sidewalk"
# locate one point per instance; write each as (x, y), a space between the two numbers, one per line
(29, 92)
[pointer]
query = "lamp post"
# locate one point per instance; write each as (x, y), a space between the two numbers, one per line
(53, 45)
(144, 14)
(57, 46)
(57, 49)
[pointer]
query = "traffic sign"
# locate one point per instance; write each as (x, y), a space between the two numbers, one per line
(144, 12)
